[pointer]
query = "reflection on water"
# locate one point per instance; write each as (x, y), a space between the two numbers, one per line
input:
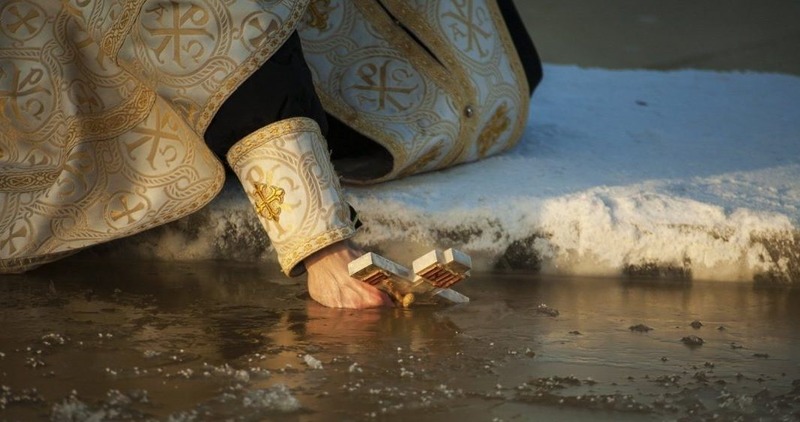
(208, 341)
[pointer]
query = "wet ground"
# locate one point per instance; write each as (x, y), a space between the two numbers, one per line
(184, 342)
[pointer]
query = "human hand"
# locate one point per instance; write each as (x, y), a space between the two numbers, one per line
(330, 284)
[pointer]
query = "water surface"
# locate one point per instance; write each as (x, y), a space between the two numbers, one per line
(168, 341)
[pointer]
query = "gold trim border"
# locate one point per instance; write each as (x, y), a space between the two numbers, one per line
(248, 67)
(292, 265)
(112, 42)
(519, 72)
(469, 131)
(269, 134)
(21, 265)
(459, 85)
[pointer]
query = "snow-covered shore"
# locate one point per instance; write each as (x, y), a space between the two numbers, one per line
(693, 174)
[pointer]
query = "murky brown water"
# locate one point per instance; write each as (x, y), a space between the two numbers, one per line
(211, 341)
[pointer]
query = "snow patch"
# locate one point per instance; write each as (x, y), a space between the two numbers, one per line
(692, 174)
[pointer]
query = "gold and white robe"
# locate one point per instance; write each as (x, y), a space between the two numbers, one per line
(104, 102)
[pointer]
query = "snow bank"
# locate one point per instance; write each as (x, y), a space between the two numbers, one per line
(691, 174)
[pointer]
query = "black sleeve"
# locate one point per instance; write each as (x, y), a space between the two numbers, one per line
(522, 42)
(280, 89)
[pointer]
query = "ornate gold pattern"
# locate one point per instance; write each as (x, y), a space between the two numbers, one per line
(497, 124)
(318, 14)
(112, 41)
(106, 101)
(19, 265)
(27, 181)
(267, 134)
(269, 38)
(296, 256)
(268, 201)
(99, 140)
(291, 157)
(411, 98)
(424, 161)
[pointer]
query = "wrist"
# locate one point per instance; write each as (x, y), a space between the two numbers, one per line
(340, 248)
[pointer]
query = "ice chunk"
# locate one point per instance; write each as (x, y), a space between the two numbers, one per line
(312, 362)
(278, 397)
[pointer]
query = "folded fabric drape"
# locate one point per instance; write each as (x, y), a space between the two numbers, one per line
(105, 103)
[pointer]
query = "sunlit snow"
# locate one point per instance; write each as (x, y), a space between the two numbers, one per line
(692, 173)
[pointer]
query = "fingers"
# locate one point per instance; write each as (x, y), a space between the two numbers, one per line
(335, 289)
(330, 284)
(385, 300)
(355, 296)
(377, 298)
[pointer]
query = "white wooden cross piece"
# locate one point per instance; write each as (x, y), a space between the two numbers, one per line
(433, 275)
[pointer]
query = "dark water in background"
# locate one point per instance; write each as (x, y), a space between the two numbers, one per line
(210, 341)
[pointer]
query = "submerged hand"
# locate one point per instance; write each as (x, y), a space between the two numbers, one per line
(330, 284)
